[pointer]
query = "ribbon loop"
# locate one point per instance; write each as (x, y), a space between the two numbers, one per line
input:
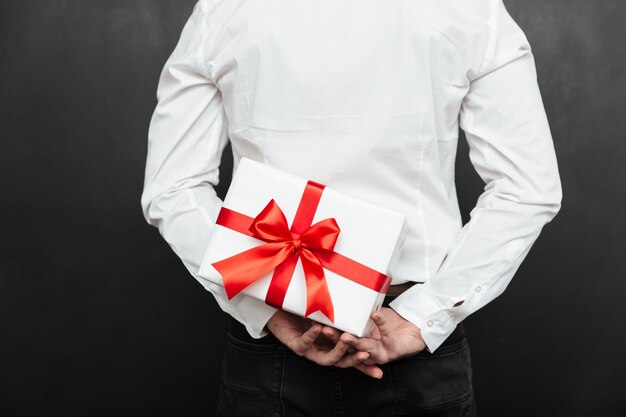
(322, 235)
(270, 224)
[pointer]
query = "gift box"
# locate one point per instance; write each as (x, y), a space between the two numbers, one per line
(303, 247)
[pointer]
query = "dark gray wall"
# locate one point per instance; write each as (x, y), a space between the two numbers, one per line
(97, 315)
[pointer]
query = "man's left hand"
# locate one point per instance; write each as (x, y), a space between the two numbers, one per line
(393, 338)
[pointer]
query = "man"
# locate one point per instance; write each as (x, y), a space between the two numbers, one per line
(366, 97)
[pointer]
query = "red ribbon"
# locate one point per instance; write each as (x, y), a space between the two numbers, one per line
(312, 244)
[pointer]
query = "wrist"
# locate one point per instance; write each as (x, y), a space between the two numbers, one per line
(270, 323)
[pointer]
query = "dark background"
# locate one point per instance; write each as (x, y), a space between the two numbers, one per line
(98, 317)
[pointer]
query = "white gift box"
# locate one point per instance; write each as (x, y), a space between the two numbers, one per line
(369, 235)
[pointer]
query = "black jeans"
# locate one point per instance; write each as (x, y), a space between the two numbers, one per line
(262, 377)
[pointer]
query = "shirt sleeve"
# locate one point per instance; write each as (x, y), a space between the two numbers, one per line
(186, 137)
(512, 150)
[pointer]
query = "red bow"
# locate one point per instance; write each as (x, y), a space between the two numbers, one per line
(270, 225)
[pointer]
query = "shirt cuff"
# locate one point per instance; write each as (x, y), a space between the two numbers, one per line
(257, 314)
(434, 322)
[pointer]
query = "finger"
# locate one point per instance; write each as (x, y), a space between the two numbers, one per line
(332, 333)
(352, 359)
(366, 344)
(375, 348)
(370, 370)
(303, 343)
(381, 324)
(335, 335)
(375, 333)
(370, 361)
(329, 357)
(323, 340)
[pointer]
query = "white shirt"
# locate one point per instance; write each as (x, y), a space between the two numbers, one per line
(366, 97)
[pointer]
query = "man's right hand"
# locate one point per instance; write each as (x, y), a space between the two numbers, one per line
(305, 338)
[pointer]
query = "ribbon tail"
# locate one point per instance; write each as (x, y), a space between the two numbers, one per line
(354, 271)
(241, 270)
(279, 284)
(317, 294)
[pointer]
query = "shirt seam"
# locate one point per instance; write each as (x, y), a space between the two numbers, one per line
(420, 213)
(204, 35)
(449, 257)
(491, 43)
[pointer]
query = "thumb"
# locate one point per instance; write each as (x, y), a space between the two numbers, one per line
(382, 323)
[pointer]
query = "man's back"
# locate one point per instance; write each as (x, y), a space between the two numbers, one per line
(371, 89)
(367, 97)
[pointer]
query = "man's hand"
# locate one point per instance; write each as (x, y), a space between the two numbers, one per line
(393, 338)
(305, 338)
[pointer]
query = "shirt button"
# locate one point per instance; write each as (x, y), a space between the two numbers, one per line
(429, 323)
(477, 289)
